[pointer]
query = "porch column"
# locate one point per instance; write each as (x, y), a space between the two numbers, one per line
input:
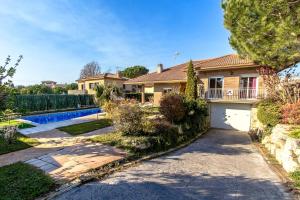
(143, 94)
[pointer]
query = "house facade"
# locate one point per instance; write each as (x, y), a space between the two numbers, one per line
(231, 85)
(87, 85)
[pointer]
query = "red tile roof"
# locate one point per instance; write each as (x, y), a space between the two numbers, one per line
(102, 76)
(178, 72)
(227, 61)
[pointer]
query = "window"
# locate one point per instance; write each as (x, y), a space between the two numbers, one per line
(167, 90)
(215, 90)
(82, 87)
(93, 85)
(248, 88)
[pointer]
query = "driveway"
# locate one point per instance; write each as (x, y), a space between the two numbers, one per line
(221, 165)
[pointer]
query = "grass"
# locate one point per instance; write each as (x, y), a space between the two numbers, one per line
(128, 143)
(78, 129)
(295, 132)
(22, 142)
(20, 181)
(295, 176)
(21, 125)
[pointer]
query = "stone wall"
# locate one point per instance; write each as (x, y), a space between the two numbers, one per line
(285, 149)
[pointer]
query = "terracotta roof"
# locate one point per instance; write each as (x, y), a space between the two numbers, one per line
(178, 72)
(227, 61)
(102, 76)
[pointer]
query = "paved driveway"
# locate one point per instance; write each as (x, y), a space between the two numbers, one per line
(221, 165)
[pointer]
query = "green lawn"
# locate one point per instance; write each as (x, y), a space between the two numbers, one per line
(22, 142)
(296, 178)
(21, 125)
(21, 181)
(78, 129)
(295, 132)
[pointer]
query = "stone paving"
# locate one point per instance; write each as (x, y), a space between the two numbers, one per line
(64, 157)
(221, 165)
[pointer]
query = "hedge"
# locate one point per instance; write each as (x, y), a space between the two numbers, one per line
(268, 113)
(138, 96)
(46, 102)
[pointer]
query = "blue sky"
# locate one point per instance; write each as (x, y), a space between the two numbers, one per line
(57, 37)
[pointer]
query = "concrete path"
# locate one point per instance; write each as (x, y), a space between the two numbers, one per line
(221, 165)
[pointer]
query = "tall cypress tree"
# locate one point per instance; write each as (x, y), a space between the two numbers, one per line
(191, 85)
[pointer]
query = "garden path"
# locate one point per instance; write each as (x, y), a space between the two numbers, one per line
(63, 156)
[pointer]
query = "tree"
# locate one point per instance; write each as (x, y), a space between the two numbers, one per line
(107, 92)
(72, 86)
(134, 71)
(191, 85)
(267, 32)
(6, 72)
(90, 69)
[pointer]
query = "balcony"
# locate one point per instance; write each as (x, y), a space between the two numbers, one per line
(240, 94)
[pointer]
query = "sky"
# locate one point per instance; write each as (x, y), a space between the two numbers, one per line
(58, 37)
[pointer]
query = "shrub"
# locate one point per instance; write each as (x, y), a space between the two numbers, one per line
(291, 113)
(196, 115)
(173, 108)
(128, 119)
(268, 113)
(109, 108)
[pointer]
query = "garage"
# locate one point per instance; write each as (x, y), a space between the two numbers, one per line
(230, 116)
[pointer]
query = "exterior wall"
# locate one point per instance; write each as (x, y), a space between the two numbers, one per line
(159, 90)
(149, 89)
(118, 83)
(231, 77)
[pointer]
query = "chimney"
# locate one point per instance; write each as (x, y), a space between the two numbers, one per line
(160, 68)
(119, 74)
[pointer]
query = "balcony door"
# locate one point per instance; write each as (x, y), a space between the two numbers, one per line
(215, 90)
(248, 87)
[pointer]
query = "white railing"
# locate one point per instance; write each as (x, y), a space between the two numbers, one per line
(232, 94)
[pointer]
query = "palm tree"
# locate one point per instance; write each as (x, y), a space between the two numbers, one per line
(107, 92)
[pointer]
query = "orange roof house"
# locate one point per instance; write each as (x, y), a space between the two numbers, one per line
(222, 78)
(88, 84)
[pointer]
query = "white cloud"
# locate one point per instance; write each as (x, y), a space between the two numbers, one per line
(57, 38)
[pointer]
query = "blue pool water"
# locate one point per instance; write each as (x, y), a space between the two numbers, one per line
(60, 116)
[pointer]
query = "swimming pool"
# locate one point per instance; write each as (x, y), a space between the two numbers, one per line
(60, 116)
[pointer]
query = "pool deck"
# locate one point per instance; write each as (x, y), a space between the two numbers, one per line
(47, 127)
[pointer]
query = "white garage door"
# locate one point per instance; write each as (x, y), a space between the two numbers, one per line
(230, 116)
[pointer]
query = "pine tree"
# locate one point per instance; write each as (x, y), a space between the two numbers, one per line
(267, 32)
(191, 85)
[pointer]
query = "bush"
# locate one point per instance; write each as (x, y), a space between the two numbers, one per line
(196, 115)
(172, 106)
(268, 113)
(128, 119)
(109, 107)
(291, 113)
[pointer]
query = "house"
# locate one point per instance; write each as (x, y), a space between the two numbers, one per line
(231, 85)
(48, 83)
(87, 85)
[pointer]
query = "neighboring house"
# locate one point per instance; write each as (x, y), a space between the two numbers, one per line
(231, 85)
(51, 84)
(87, 85)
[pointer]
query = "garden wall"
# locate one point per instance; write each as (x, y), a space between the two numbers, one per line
(33, 103)
(285, 149)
